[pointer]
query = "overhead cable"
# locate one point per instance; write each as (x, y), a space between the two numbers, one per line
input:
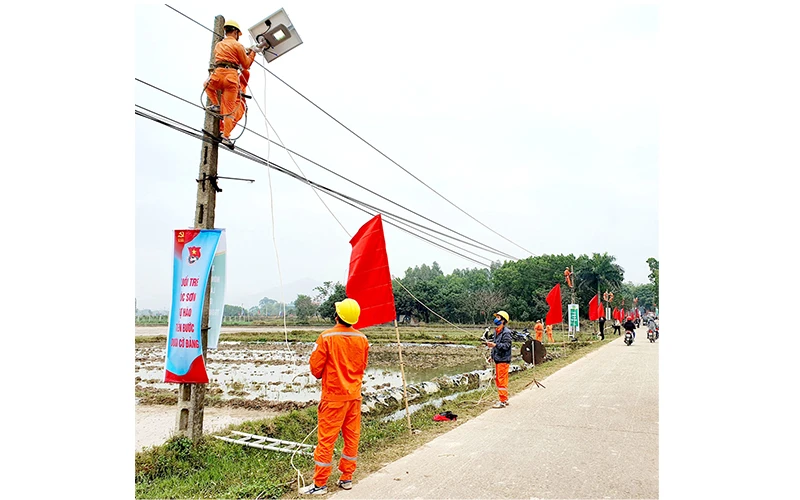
(475, 243)
(369, 144)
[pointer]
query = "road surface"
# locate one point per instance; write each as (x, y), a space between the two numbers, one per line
(591, 433)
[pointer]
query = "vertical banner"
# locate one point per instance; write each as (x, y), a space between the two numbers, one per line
(216, 304)
(574, 325)
(194, 253)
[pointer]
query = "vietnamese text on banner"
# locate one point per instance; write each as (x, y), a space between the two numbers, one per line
(194, 253)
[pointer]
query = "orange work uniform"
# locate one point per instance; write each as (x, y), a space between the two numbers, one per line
(339, 358)
(539, 330)
(226, 79)
(240, 107)
(549, 330)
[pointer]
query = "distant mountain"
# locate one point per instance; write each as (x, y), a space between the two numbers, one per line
(291, 290)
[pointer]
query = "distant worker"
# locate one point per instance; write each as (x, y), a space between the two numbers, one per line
(539, 329)
(339, 358)
(549, 331)
(568, 277)
(501, 355)
(229, 57)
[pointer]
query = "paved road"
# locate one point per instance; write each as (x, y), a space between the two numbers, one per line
(592, 433)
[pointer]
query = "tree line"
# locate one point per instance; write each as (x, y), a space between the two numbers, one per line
(472, 296)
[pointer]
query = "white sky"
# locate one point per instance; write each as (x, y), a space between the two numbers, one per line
(540, 121)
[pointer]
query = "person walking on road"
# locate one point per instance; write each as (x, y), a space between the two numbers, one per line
(339, 358)
(617, 326)
(602, 323)
(501, 355)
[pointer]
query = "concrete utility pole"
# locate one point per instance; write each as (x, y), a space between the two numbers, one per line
(191, 397)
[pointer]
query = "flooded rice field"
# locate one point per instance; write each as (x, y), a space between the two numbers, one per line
(278, 372)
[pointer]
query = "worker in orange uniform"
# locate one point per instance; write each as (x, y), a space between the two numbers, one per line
(568, 277)
(229, 57)
(339, 358)
(501, 354)
(549, 331)
(539, 329)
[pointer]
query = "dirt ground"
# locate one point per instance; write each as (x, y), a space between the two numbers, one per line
(156, 423)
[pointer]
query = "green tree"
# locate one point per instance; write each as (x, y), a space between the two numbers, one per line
(653, 264)
(230, 310)
(596, 275)
(304, 307)
(328, 308)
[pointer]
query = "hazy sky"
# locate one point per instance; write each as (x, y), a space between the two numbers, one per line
(541, 121)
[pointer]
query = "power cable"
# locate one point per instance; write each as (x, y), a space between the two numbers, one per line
(476, 243)
(369, 144)
(331, 192)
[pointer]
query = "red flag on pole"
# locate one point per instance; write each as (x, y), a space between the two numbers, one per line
(601, 311)
(616, 314)
(369, 282)
(593, 309)
(554, 315)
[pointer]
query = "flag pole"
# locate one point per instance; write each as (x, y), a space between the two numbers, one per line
(402, 374)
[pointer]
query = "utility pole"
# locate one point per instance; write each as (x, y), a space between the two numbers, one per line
(191, 397)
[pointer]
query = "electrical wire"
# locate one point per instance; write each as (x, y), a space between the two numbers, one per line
(475, 243)
(251, 156)
(369, 144)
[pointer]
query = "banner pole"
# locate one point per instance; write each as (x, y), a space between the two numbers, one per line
(403, 374)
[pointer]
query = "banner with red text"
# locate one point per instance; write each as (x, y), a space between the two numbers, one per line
(194, 253)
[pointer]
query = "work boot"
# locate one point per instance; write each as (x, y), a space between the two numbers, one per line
(213, 108)
(313, 489)
(499, 404)
(227, 142)
(345, 485)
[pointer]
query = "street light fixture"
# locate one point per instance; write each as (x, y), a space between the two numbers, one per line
(275, 35)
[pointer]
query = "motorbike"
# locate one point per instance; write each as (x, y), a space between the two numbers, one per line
(628, 337)
(651, 335)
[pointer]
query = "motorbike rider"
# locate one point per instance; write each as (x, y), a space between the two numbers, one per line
(651, 325)
(629, 325)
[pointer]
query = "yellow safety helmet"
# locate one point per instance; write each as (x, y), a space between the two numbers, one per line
(348, 310)
(233, 24)
(502, 314)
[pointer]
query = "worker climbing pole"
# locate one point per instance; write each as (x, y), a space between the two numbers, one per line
(225, 86)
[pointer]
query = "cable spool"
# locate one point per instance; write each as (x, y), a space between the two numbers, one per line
(533, 351)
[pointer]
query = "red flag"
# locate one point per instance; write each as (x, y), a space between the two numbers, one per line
(601, 311)
(554, 315)
(593, 309)
(616, 314)
(369, 282)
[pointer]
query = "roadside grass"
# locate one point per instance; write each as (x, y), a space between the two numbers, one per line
(217, 469)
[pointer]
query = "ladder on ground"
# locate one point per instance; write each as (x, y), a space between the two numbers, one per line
(266, 443)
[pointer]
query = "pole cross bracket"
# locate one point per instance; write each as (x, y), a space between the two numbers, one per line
(213, 179)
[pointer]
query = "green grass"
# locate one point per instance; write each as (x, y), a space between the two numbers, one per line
(217, 469)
